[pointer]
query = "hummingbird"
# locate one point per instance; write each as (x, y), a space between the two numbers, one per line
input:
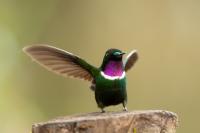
(108, 82)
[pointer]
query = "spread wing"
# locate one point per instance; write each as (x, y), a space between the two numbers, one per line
(130, 60)
(61, 62)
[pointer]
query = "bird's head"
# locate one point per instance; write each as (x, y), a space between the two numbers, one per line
(112, 55)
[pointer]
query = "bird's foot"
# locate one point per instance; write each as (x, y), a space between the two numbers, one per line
(125, 109)
(103, 111)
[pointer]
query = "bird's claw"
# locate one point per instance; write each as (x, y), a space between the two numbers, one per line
(125, 109)
(103, 111)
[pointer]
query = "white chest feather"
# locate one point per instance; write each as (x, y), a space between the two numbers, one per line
(113, 77)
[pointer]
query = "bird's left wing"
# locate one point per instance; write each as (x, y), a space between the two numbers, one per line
(61, 62)
(130, 60)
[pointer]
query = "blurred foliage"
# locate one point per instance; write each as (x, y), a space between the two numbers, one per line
(166, 34)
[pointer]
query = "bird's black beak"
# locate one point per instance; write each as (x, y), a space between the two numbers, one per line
(122, 53)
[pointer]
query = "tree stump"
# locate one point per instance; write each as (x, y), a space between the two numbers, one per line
(152, 121)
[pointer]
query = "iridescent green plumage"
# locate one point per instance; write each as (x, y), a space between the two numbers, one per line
(110, 92)
(109, 89)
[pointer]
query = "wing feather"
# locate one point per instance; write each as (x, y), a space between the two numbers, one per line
(61, 62)
(130, 60)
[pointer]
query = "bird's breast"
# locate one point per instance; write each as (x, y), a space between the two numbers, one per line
(105, 82)
(108, 77)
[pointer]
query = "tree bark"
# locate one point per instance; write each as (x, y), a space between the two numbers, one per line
(152, 121)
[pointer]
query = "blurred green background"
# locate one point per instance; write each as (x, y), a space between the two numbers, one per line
(166, 34)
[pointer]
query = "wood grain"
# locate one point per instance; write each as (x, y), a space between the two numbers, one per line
(151, 121)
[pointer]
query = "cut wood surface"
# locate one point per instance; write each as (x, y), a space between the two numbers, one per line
(151, 121)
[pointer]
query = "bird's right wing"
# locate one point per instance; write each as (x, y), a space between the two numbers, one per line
(61, 62)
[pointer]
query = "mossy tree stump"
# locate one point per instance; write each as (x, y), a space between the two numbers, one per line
(152, 121)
